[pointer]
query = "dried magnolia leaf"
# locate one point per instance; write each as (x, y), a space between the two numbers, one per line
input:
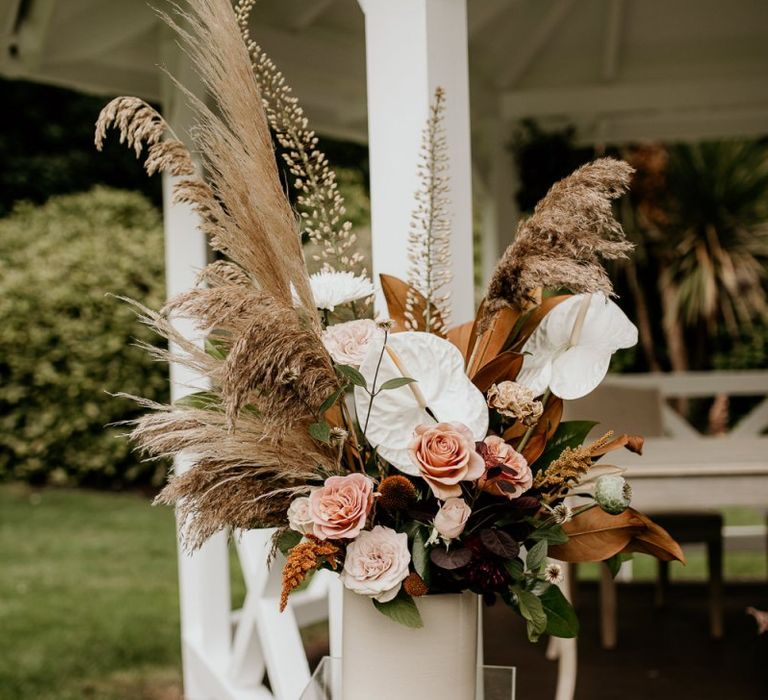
(594, 535)
(396, 293)
(655, 540)
(502, 368)
(460, 336)
(493, 339)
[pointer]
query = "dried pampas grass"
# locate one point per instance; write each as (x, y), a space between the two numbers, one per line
(236, 479)
(563, 242)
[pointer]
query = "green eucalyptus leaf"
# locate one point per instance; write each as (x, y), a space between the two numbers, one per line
(396, 383)
(402, 609)
(352, 375)
(515, 568)
(321, 432)
(287, 540)
(553, 534)
(331, 400)
(561, 617)
(537, 555)
(532, 610)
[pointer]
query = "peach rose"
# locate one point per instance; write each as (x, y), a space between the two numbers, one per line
(376, 563)
(452, 517)
(506, 471)
(348, 343)
(340, 507)
(445, 455)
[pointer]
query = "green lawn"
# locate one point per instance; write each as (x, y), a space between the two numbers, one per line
(88, 597)
(88, 594)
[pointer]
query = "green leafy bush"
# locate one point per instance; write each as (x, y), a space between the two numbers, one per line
(65, 341)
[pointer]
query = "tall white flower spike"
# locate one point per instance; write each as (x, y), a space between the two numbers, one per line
(570, 350)
(441, 384)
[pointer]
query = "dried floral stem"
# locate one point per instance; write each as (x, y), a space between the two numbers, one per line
(429, 238)
(320, 203)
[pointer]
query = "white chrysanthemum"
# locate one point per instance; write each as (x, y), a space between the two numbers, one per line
(331, 289)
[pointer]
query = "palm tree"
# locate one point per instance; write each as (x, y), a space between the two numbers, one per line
(714, 250)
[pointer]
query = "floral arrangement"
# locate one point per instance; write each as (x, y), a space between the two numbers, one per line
(412, 457)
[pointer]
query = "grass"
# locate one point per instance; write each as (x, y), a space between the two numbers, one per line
(89, 598)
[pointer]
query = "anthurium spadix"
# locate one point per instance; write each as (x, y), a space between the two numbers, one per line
(570, 350)
(442, 392)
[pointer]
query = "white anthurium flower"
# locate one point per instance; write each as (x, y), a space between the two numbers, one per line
(572, 364)
(438, 368)
(331, 289)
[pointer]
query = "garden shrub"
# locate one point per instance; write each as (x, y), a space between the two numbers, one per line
(66, 341)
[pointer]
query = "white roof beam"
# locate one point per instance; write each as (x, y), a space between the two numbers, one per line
(601, 99)
(613, 34)
(528, 52)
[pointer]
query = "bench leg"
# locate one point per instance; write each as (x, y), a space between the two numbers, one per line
(608, 608)
(715, 566)
(662, 583)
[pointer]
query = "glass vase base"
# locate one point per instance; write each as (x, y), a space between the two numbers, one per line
(493, 683)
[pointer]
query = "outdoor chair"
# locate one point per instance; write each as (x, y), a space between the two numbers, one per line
(639, 411)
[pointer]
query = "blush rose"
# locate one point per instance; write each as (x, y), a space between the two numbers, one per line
(445, 455)
(300, 516)
(376, 563)
(452, 517)
(506, 471)
(339, 508)
(348, 343)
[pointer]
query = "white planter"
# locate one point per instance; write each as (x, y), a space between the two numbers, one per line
(383, 660)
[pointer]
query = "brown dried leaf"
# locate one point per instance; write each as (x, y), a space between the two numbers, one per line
(634, 443)
(504, 367)
(396, 292)
(488, 344)
(460, 336)
(594, 535)
(655, 540)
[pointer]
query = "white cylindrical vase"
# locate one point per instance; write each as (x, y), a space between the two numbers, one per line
(384, 660)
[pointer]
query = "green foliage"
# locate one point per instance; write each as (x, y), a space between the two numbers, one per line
(561, 617)
(402, 609)
(66, 341)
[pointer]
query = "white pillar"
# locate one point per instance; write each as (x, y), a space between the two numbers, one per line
(413, 47)
(203, 576)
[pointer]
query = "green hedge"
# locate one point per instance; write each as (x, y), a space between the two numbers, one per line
(65, 342)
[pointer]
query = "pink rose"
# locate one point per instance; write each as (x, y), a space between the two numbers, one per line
(376, 563)
(445, 455)
(339, 508)
(506, 471)
(452, 517)
(348, 343)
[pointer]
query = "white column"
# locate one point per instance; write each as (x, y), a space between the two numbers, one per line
(203, 576)
(413, 47)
